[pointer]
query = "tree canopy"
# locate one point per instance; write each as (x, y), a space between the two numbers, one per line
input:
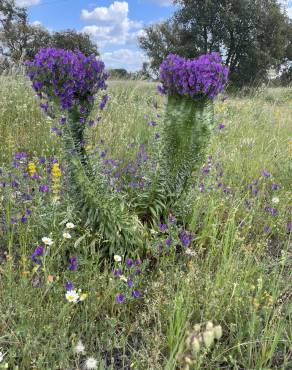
(20, 40)
(251, 35)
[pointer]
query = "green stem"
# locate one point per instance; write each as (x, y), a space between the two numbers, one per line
(187, 128)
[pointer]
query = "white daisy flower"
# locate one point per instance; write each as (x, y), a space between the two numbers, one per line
(72, 296)
(90, 363)
(67, 235)
(117, 258)
(47, 241)
(70, 225)
(79, 348)
(275, 200)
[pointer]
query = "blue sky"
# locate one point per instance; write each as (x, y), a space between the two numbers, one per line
(113, 25)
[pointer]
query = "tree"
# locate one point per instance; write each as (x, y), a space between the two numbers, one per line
(252, 35)
(20, 40)
(72, 40)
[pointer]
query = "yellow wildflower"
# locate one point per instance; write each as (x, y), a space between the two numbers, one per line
(31, 169)
(56, 172)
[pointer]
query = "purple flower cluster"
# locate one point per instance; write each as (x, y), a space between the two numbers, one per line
(70, 77)
(197, 78)
(129, 278)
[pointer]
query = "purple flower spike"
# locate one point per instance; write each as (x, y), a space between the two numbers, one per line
(70, 78)
(197, 78)
(289, 226)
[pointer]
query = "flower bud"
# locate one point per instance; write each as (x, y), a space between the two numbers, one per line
(188, 360)
(195, 345)
(217, 332)
(208, 338)
(209, 325)
(197, 327)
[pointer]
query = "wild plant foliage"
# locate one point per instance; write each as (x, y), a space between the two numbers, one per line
(69, 81)
(191, 86)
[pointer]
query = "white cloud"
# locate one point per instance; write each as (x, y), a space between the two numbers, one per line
(36, 23)
(111, 25)
(27, 3)
(163, 2)
(124, 58)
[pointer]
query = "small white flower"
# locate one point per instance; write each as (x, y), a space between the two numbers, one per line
(189, 252)
(123, 278)
(79, 348)
(72, 296)
(70, 225)
(47, 241)
(117, 258)
(90, 363)
(276, 200)
(67, 235)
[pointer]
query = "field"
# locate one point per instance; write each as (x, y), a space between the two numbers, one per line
(236, 272)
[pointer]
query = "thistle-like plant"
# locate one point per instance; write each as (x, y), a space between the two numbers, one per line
(191, 87)
(69, 81)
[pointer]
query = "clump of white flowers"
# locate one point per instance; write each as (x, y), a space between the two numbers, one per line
(89, 363)
(200, 339)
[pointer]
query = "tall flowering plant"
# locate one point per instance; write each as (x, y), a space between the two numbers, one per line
(191, 85)
(69, 81)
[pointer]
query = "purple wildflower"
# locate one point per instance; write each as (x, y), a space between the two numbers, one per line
(62, 120)
(197, 78)
(162, 227)
(275, 186)
(168, 242)
(138, 262)
(69, 77)
(103, 102)
(129, 262)
(120, 298)
(38, 252)
(69, 285)
(221, 126)
(130, 283)
(266, 173)
(136, 293)
(117, 272)
(44, 188)
(185, 238)
(42, 160)
(73, 263)
(289, 226)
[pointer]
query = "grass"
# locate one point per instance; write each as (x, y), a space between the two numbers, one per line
(237, 274)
